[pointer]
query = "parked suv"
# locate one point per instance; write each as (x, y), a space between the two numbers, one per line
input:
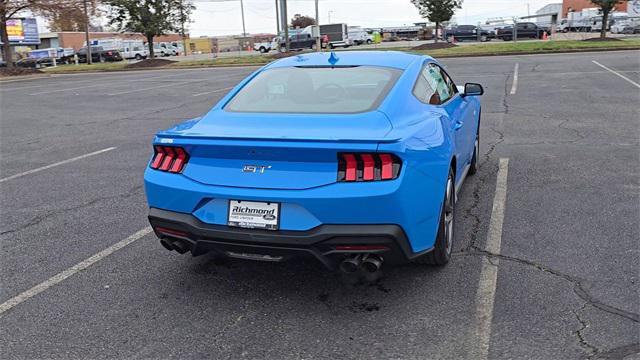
(466, 32)
(525, 30)
(99, 54)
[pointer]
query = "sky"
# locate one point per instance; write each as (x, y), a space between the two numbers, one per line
(215, 17)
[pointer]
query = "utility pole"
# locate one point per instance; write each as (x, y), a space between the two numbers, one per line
(184, 41)
(318, 40)
(277, 19)
(86, 32)
(244, 31)
(285, 24)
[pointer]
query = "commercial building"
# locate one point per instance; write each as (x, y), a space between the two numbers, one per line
(75, 40)
(549, 14)
(578, 5)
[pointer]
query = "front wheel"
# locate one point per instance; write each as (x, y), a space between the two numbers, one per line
(441, 253)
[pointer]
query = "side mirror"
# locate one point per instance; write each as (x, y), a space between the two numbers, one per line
(472, 89)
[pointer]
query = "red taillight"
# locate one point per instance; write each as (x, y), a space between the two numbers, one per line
(169, 158)
(368, 167)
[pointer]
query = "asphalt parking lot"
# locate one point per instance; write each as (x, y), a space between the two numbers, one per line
(546, 261)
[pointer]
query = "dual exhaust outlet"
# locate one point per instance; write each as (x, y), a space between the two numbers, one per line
(369, 263)
(173, 244)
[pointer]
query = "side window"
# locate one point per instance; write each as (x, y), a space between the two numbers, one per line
(423, 89)
(453, 89)
(439, 82)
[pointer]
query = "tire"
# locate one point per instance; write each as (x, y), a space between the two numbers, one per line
(369, 41)
(483, 38)
(138, 57)
(473, 169)
(450, 38)
(441, 253)
(263, 49)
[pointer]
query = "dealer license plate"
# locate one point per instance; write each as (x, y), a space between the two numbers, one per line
(254, 215)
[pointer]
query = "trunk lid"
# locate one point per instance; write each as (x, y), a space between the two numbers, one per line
(275, 151)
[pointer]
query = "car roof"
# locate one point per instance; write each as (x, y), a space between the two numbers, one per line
(396, 59)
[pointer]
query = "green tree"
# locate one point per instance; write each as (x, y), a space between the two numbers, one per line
(606, 6)
(437, 11)
(150, 17)
(302, 21)
(11, 8)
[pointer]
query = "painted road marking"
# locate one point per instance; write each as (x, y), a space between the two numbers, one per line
(177, 84)
(213, 91)
(617, 73)
(157, 87)
(514, 86)
(489, 272)
(102, 84)
(72, 270)
(55, 164)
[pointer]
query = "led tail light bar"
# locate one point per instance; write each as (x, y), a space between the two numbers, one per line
(169, 158)
(368, 167)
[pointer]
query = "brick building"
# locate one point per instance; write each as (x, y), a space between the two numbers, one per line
(578, 5)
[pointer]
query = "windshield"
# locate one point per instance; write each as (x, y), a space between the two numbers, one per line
(315, 90)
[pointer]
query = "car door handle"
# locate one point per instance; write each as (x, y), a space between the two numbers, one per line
(458, 125)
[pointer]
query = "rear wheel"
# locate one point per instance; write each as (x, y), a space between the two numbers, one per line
(474, 160)
(441, 253)
(138, 57)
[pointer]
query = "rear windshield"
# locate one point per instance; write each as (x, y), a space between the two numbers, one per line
(315, 90)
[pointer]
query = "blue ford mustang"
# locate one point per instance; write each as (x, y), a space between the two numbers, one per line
(354, 159)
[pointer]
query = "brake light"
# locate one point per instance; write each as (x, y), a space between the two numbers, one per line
(368, 167)
(169, 158)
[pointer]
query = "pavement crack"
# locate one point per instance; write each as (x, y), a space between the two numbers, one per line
(579, 333)
(40, 218)
(578, 286)
(470, 211)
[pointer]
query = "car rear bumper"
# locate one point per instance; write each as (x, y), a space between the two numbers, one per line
(325, 242)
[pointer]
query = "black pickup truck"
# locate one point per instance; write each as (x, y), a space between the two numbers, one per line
(525, 30)
(466, 32)
(99, 54)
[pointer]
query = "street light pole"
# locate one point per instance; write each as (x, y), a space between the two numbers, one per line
(318, 41)
(86, 32)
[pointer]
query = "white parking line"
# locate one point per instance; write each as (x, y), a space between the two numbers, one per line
(617, 73)
(55, 164)
(72, 270)
(104, 84)
(514, 86)
(489, 272)
(157, 87)
(213, 91)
